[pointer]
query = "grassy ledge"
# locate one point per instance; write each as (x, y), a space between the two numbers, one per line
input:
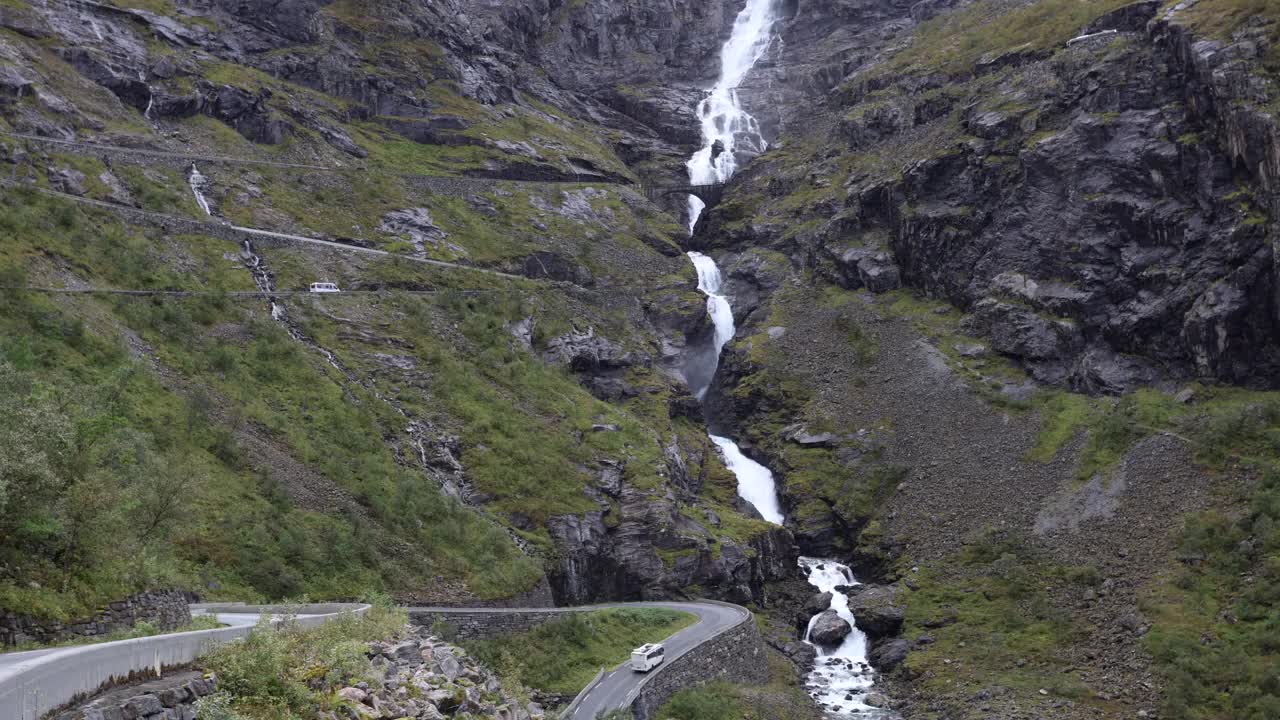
(563, 655)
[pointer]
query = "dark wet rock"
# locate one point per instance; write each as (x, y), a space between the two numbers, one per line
(887, 656)
(1022, 332)
(877, 610)
(250, 114)
(1100, 370)
(553, 266)
(618, 559)
(818, 603)
(14, 84)
(829, 629)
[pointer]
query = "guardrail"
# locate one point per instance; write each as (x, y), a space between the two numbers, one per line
(50, 679)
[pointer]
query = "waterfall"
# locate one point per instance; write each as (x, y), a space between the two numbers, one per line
(198, 184)
(841, 677)
(755, 481)
(728, 131)
(701, 368)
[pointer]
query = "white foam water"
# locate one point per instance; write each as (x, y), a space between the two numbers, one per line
(198, 183)
(841, 676)
(721, 319)
(755, 481)
(720, 115)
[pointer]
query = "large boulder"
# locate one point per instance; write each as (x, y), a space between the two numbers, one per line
(816, 604)
(876, 610)
(829, 629)
(1021, 331)
(888, 655)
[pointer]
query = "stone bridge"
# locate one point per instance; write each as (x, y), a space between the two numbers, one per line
(709, 193)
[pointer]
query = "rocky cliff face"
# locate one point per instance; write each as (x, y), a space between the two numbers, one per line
(976, 225)
(391, 92)
(1095, 213)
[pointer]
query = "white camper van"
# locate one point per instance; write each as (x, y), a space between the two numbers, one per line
(647, 657)
(324, 288)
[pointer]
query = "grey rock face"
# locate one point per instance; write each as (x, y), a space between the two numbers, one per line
(415, 225)
(586, 351)
(1085, 226)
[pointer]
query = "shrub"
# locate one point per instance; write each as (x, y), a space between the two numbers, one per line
(288, 671)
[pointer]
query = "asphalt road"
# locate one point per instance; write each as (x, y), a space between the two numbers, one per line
(37, 681)
(616, 689)
(34, 681)
(18, 660)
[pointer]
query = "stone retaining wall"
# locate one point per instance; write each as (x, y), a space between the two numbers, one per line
(166, 609)
(738, 655)
(170, 698)
(479, 624)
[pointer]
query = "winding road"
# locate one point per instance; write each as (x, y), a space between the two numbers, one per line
(619, 687)
(37, 681)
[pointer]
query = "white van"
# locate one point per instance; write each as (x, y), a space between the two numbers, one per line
(324, 288)
(647, 657)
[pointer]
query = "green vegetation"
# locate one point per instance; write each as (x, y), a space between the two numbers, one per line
(118, 470)
(1224, 425)
(1217, 630)
(142, 629)
(993, 621)
(954, 42)
(781, 697)
(563, 655)
(1216, 618)
(288, 673)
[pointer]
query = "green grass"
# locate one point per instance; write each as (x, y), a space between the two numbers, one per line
(103, 447)
(1216, 638)
(140, 630)
(288, 673)
(781, 697)
(954, 42)
(997, 624)
(563, 655)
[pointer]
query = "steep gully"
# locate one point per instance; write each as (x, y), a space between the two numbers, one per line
(842, 677)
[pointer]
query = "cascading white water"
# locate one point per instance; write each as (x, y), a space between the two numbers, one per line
(755, 481)
(727, 130)
(724, 122)
(198, 183)
(841, 676)
(703, 367)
